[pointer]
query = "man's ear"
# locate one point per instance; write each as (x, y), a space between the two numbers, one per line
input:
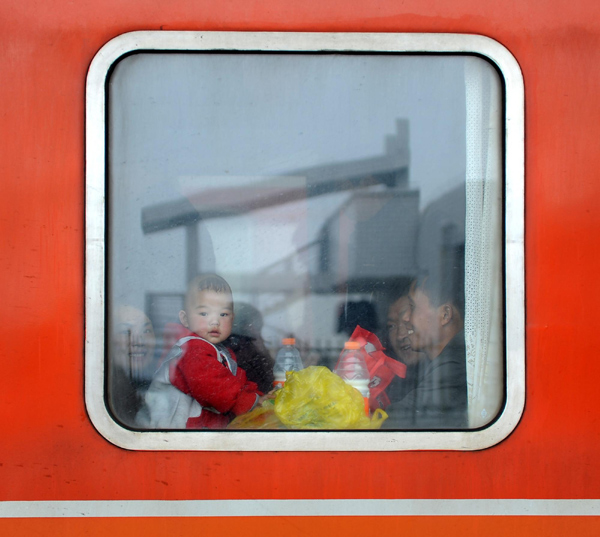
(446, 313)
(183, 319)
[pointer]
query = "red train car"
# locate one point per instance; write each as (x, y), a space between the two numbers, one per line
(323, 157)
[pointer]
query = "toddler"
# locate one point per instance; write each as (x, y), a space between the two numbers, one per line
(199, 385)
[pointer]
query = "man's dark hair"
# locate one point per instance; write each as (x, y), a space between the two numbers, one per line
(444, 287)
(396, 291)
(353, 314)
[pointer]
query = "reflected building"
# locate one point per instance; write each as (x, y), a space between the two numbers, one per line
(441, 240)
(373, 239)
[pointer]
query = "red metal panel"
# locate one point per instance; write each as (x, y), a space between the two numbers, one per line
(257, 527)
(50, 451)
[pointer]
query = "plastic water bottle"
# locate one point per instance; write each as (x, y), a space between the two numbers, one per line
(353, 369)
(287, 359)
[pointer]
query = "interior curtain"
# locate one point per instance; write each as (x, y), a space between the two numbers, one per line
(483, 242)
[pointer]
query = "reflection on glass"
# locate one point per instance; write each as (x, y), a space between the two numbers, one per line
(132, 362)
(330, 191)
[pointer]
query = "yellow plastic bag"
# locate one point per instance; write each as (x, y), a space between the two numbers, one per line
(316, 398)
(262, 417)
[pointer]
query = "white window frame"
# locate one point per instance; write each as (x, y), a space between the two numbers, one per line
(95, 286)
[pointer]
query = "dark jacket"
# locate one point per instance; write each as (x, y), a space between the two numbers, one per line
(439, 398)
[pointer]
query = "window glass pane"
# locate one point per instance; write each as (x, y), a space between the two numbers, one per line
(330, 191)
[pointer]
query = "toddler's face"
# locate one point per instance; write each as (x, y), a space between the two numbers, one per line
(209, 314)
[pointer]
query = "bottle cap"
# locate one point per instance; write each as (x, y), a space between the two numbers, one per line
(288, 341)
(352, 345)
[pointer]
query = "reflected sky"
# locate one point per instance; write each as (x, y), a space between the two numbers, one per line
(180, 123)
(230, 116)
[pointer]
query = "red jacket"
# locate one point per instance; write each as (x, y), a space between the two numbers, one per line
(198, 386)
(212, 381)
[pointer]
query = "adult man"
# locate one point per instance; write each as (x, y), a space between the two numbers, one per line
(399, 347)
(439, 399)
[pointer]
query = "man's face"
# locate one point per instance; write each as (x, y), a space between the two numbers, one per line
(424, 320)
(398, 331)
(209, 314)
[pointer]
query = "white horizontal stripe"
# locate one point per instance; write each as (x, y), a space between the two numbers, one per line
(237, 508)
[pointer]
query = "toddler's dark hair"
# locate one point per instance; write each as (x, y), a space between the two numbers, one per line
(207, 282)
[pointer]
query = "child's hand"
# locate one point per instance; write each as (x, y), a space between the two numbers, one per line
(263, 398)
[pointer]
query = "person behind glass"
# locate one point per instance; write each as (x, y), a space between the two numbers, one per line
(249, 347)
(132, 362)
(398, 345)
(200, 386)
(435, 321)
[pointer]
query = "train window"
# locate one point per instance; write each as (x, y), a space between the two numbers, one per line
(343, 207)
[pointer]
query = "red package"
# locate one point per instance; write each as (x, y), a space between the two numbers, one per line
(382, 368)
